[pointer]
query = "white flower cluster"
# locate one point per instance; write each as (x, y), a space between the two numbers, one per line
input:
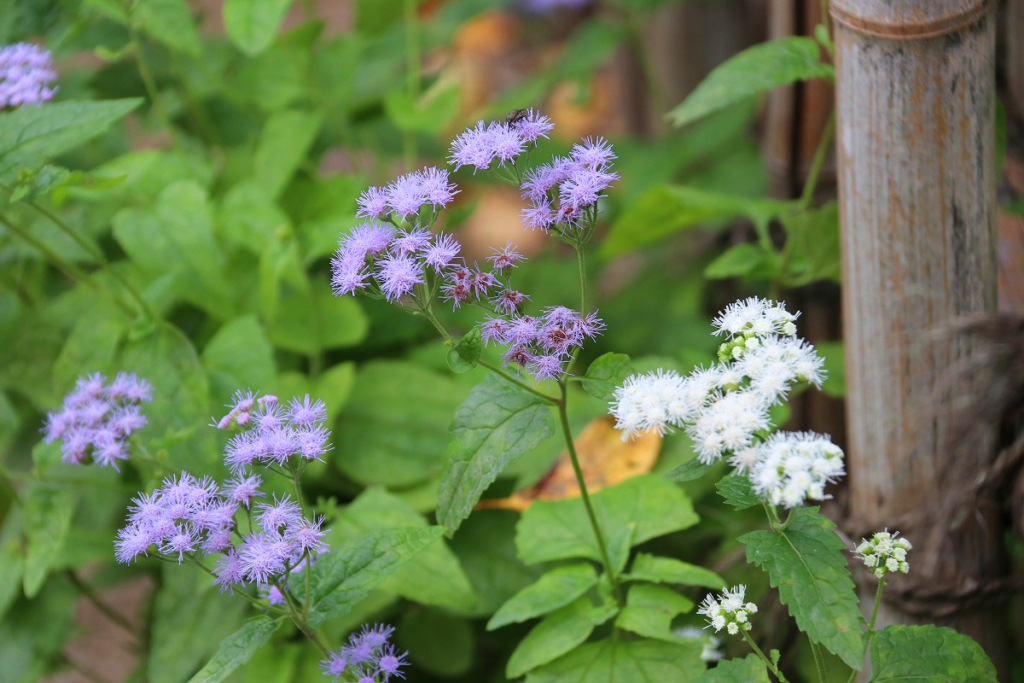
(728, 611)
(885, 553)
(791, 467)
(724, 407)
(711, 643)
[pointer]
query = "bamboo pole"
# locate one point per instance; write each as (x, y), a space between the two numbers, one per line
(916, 139)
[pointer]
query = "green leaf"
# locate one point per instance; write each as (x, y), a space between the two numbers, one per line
(650, 609)
(92, 344)
(168, 22)
(190, 617)
(806, 563)
(463, 356)
(605, 374)
(753, 71)
(12, 560)
(617, 661)
(813, 241)
(392, 431)
(176, 236)
(283, 144)
(688, 471)
(29, 136)
(316, 320)
(237, 648)
(555, 589)
(629, 513)
(47, 520)
(252, 24)
(346, 575)
(739, 261)
(928, 653)
(738, 492)
(667, 209)
(433, 577)
(749, 670)
(835, 367)
(438, 643)
(496, 424)
(647, 567)
(557, 634)
(239, 356)
(428, 113)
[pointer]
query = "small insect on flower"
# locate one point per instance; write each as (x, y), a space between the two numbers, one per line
(884, 553)
(516, 115)
(728, 610)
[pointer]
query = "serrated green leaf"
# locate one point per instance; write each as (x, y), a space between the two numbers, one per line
(647, 567)
(555, 589)
(392, 431)
(806, 563)
(616, 661)
(737, 491)
(169, 22)
(928, 653)
(252, 24)
(237, 648)
(629, 513)
(753, 71)
(464, 355)
(666, 209)
(432, 577)
(47, 520)
(29, 136)
(742, 260)
(557, 634)
(496, 424)
(345, 576)
(749, 670)
(688, 471)
(605, 374)
(650, 609)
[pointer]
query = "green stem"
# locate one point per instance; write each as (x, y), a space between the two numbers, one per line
(811, 184)
(605, 559)
(768, 662)
(819, 662)
(70, 271)
(581, 263)
(522, 385)
(871, 626)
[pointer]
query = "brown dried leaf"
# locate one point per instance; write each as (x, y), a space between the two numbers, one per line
(605, 459)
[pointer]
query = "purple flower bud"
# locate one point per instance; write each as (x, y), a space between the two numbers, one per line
(494, 329)
(456, 292)
(505, 259)
(518, 355)
(509, 301)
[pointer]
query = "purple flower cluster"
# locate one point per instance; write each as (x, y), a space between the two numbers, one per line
(499, 141)
(368, 657)
(397, 260)
(564, 190)
(541, 346)
(404, 198)
(475, 284)
(97, 418)
(189, 516)
(26, 72)
(273, 432)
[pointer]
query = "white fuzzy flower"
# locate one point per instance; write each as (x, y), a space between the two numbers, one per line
(792, 467)
(776, 364)
(728, 424)
(884, 553)
(755, 317)
(654, 401)
(728, 610)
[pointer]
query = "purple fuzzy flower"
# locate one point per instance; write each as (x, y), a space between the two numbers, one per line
(262, 557)
(509, 302)
(533, 126)
(390, 662)
(480, 146)
(539, 216)
(436, 188)
(456, 291)
(132, 541)
(518, 355)
(411, 241)
(313, 443)
(397, 275)
(372, 203)
(585, 187)
(306, 413)
(595, 153)
(26, 72)
(335, 663)
(494, 329)
(364, 240)
(348, 274)
(280, 513)
(243, 489)
(505, 259)
(182, 541)
(522, 330)
(308, 536)
(481, 283)
(546, 367)
(442, 252)
(230, 572)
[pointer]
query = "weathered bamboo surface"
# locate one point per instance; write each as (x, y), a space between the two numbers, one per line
(916, 144)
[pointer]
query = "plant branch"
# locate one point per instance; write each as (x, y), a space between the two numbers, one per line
(774, 669)
(89, 594)
(871, 626)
